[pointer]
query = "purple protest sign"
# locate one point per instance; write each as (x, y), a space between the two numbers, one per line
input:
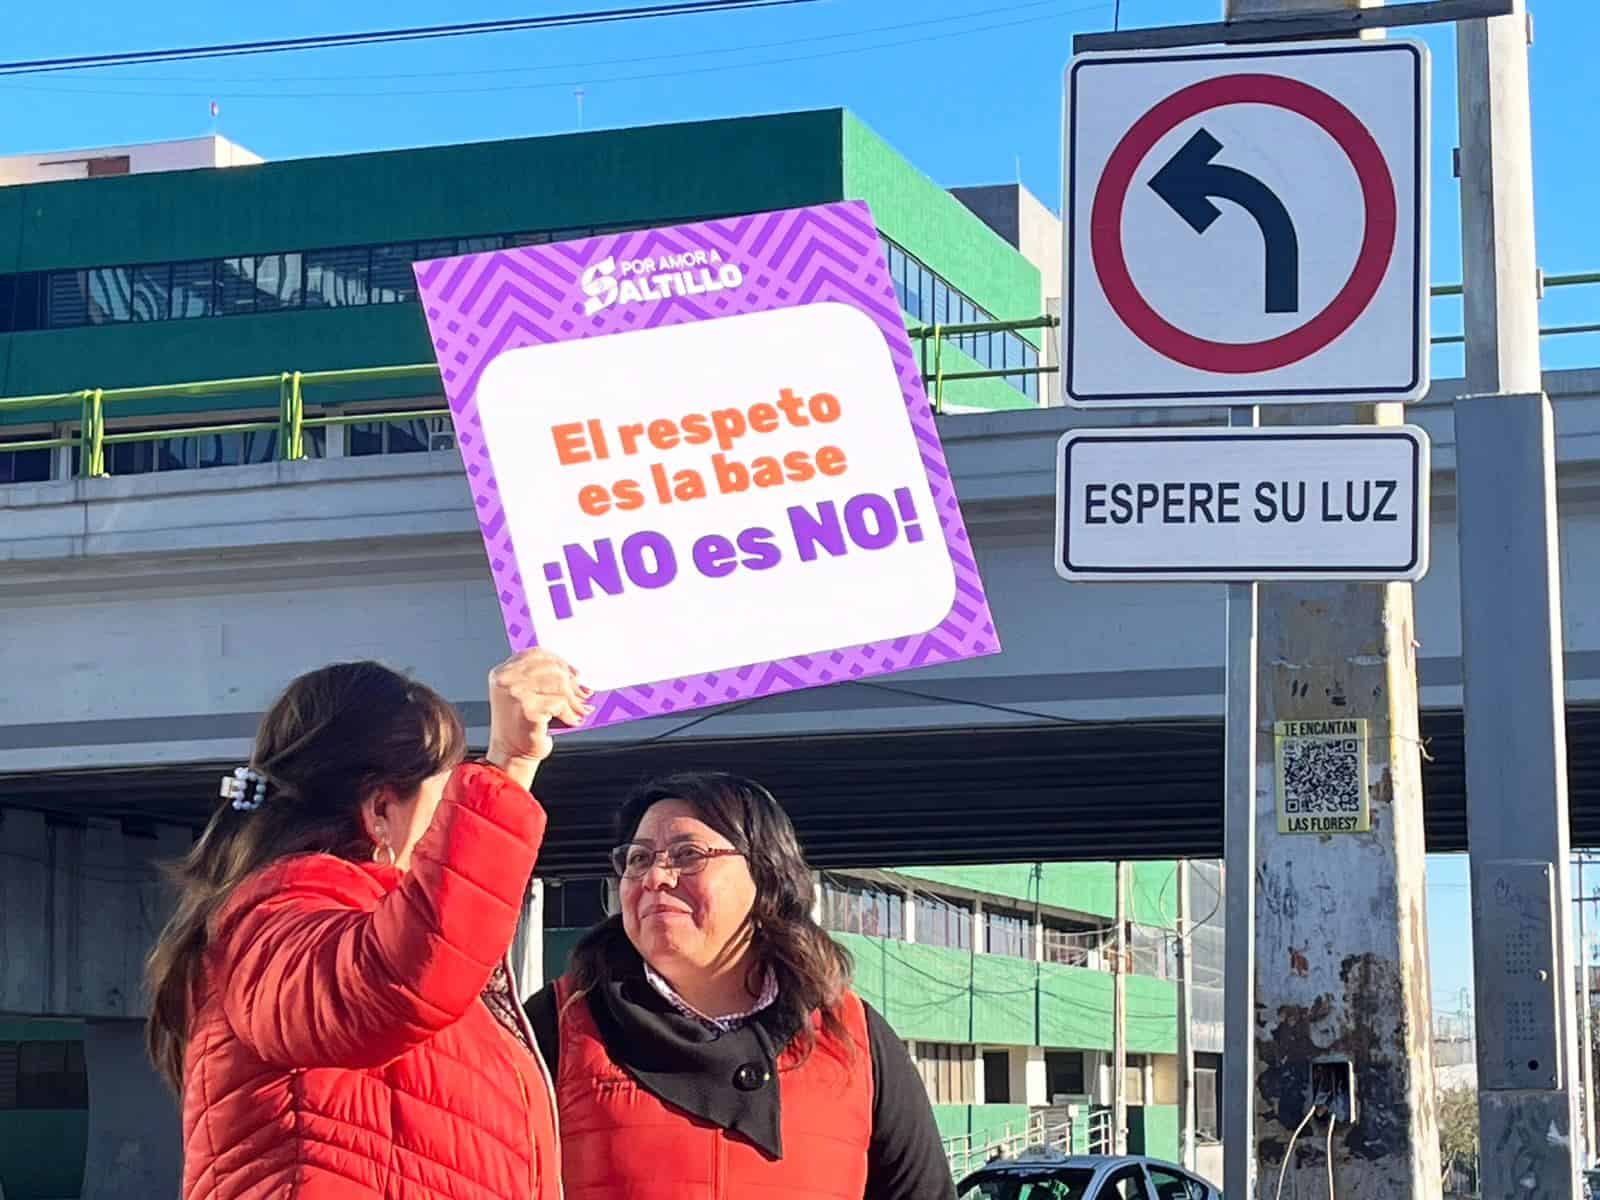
(703, 461)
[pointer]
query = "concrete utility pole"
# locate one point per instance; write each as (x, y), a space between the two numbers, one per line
(1185, 963)
(1341, 932)
(1513, 682)
(1119, 1021)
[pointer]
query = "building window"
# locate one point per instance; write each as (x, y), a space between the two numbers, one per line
(948, 1071)
(1133, 1079)
(381, 274)
(857, 908)
(1071, 943)
(200, 451)
(1207, 1121)
(929, 299)
(1064, 1074)
(942, 922)
(253, 283)
(1150, 952)
(413, 436)
(41, 1075)
(24, 466)
(996, 1077)
(1009, 933)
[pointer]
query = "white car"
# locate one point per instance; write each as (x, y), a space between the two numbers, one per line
(1043, 1174)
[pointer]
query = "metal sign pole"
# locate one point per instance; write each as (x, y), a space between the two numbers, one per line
(1513, 692)
(1239, 799)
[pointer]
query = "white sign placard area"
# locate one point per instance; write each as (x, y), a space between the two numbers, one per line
(1247, 226)
(1235, 505)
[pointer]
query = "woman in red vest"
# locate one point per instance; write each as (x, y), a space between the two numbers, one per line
(706, 1044)
(331, 996)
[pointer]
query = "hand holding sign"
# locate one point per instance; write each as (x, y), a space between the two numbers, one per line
(526, 693)
(705, 494)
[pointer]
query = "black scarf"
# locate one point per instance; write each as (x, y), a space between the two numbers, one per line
(729, 1079)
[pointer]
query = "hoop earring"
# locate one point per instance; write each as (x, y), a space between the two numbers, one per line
(383, 853)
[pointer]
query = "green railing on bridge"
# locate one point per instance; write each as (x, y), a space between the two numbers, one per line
(90, 404)
(291, 423)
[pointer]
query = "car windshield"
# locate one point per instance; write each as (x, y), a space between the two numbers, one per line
(1064, 1183)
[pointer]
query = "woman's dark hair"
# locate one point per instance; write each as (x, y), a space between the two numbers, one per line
(334, 737)
(812, 970)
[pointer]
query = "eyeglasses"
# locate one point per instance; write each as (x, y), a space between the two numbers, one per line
(633, 860)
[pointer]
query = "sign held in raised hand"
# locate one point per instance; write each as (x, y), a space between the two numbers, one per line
(702, 459)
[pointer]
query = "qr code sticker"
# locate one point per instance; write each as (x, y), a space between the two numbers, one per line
(1321, 776)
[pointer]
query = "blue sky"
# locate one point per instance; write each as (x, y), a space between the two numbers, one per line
(967, 89)
(970, 91)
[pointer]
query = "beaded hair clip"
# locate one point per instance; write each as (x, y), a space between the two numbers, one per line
(246, 788)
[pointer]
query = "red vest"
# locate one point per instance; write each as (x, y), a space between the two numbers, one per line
(620, 1142)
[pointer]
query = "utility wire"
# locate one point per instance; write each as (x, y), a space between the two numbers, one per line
(1283, 1171)
(604, 16)
(717, 68)
(963, 18)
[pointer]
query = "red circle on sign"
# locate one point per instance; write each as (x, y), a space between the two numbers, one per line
(1372, 262)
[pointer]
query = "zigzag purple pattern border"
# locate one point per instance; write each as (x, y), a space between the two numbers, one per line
(482, 305)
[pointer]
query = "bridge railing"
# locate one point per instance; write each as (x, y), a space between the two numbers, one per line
(91, 405)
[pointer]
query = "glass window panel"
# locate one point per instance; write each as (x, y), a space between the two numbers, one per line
(941, 301)
(407, 437)
(126, 458)
(479, 245)
(176, 454)
(1206, 1117)
(25, 466)
(236, 285)
(110, 294)
(151, 292)
(1064, 1074)
(435, 248)
(337, 278)
(536, 238)
(363, 439)
(913, 278)
(1008, 933)
(67, 299)
(278, 279)
(392, 280)
(262, 447)
(194, 289)
(942, 922)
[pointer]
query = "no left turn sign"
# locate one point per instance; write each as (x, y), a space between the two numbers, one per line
(1247, 226)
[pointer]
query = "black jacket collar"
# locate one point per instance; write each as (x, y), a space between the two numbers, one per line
(729, 1079)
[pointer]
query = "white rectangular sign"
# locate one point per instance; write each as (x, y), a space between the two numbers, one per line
(1247, 225)
(1231, 505)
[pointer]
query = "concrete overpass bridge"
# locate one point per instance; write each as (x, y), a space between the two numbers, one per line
(150, 619)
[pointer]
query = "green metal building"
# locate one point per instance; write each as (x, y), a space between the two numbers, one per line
(305, 265)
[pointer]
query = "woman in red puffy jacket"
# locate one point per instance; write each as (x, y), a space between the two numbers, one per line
(332, 996)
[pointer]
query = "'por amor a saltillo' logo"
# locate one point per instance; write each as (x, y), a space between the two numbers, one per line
(692, 273)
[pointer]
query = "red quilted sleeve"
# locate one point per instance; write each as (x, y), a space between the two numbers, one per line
(317, 967)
